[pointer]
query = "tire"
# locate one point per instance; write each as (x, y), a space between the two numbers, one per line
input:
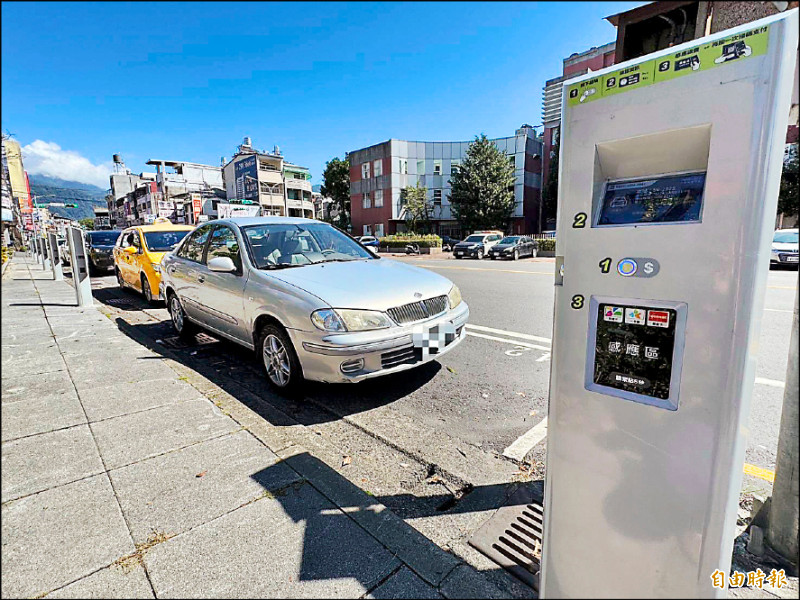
(180, 322)
(279, 360)
(457, 256)
(534, 253)
(492, 256)
(147, 292)
(516, 255)
(120, 281)
(480, 254)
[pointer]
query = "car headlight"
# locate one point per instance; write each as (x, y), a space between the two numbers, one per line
(454, 296)
(345, 319)
(157, 268)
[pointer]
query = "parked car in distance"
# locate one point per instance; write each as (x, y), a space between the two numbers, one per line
(138, 254)
(295, 291)
(100, 249)
(514, 247)
(476, 245)
(368, 240)
(784, 247)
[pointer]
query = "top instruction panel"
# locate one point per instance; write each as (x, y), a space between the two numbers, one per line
(702, 57)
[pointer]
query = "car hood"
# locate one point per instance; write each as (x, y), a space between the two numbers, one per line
(784, 246)
(503, 246)
(467, 244)
(366, 284)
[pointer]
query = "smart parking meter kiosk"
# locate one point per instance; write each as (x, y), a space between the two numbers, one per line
(668, 184)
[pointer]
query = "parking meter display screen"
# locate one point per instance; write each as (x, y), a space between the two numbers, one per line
(633, 349)
(664, 199)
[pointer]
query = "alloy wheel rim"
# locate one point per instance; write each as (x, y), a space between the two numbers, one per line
(276, 361)
(177, 314)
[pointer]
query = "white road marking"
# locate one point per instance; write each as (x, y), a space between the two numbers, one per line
(771, 382)
(779, 310)
(543, 357)
(525, 443)
(524, 336)
(515, 342)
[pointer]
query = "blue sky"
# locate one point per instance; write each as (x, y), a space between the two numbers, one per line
(186, 81)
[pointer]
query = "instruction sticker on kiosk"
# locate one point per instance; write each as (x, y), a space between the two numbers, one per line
(635, 350)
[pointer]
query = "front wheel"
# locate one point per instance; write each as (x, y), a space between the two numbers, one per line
(180, 322)
(120, 280)
(279, 359)
(516, 254)
(480, 254)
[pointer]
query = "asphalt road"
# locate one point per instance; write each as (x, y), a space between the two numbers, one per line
(488, 393)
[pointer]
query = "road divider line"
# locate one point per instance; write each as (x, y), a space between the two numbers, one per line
(759, 472)
(771, 382)
(524, 336)
(481, 269)
(525, 443)
(507, 341)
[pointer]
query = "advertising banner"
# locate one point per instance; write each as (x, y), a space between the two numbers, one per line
(246, 172)
(197, 205)
(227, 211)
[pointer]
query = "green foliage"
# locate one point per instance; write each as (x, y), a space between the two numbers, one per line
(547, 245)
(550, 191)
(401, 239)
(482, 190)
(417, 207)
(87, 223)
(790, 189)
(336, 186)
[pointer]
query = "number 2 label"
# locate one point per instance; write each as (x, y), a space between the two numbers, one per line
(580, 221)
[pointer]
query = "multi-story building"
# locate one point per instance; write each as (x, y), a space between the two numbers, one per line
(186, 190)
(18, 191)
(120, 198)
(379, 173)
(576, 64)
(267, 181)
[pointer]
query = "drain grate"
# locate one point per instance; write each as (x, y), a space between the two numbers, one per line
(513, 537)
(201, 339)
(119, 301)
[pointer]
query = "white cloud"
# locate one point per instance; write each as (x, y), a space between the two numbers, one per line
(48, 158)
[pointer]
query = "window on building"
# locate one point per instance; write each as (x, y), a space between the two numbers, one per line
(367, 230)
(365, 171)
(378, 198)
(404, 166)
(420, 167)
(379, 230)
(378, 168)
(454, 167)
(437, 197)
(512, 161)
(366, 202)
(437, 167)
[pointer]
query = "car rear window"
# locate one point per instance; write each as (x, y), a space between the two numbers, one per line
(103, 238)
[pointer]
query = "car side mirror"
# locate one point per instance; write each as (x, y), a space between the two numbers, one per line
(221, 264)
(129, 250)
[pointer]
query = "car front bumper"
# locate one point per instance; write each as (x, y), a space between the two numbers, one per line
(469, 252)
(498, 254)
(383, 352)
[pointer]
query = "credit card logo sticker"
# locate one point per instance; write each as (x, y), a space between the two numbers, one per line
(658, 318)
(634, 316)
(613, 314)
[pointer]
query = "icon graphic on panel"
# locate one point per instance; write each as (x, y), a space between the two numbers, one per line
(627, 267)
(586, 93)
(613, 314)
(634, 316)
(733, 51)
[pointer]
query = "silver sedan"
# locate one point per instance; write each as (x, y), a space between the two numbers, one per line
(312, 302)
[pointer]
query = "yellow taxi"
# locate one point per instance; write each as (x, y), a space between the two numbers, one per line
(138, 254)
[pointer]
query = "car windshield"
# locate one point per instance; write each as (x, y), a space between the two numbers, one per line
(786, 237)
(163, 241)
(510, 240)
(475, 238)
(296, 245)
(103, 238)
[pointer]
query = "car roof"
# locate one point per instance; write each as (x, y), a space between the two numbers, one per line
(247, 221)
(163, 227)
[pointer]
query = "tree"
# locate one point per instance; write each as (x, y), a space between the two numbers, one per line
(482, 190)
(336, 186)
(418, 210)
(87, 223)
(790, 187)
(550, 191)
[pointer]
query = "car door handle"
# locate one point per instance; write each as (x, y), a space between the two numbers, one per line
(200, 278)
(171, 269)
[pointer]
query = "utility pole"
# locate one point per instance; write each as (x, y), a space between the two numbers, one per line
(782, 520)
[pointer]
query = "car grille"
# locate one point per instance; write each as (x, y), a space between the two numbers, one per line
(417, 311)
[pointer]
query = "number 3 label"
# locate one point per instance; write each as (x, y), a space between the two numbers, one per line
(580, 221)
(577, 302)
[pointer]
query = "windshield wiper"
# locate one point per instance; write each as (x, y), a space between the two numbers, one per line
(279, 266)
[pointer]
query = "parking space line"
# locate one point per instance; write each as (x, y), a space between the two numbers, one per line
(525, 443)
(482, 269)
(759, 472)
(771, 382)
(524, 336)
(507, 341)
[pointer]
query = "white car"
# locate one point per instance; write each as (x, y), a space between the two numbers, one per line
(784, 247)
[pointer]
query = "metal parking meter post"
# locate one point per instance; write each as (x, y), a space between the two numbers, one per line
(79, 262)
(55, 258)
(45, 253)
